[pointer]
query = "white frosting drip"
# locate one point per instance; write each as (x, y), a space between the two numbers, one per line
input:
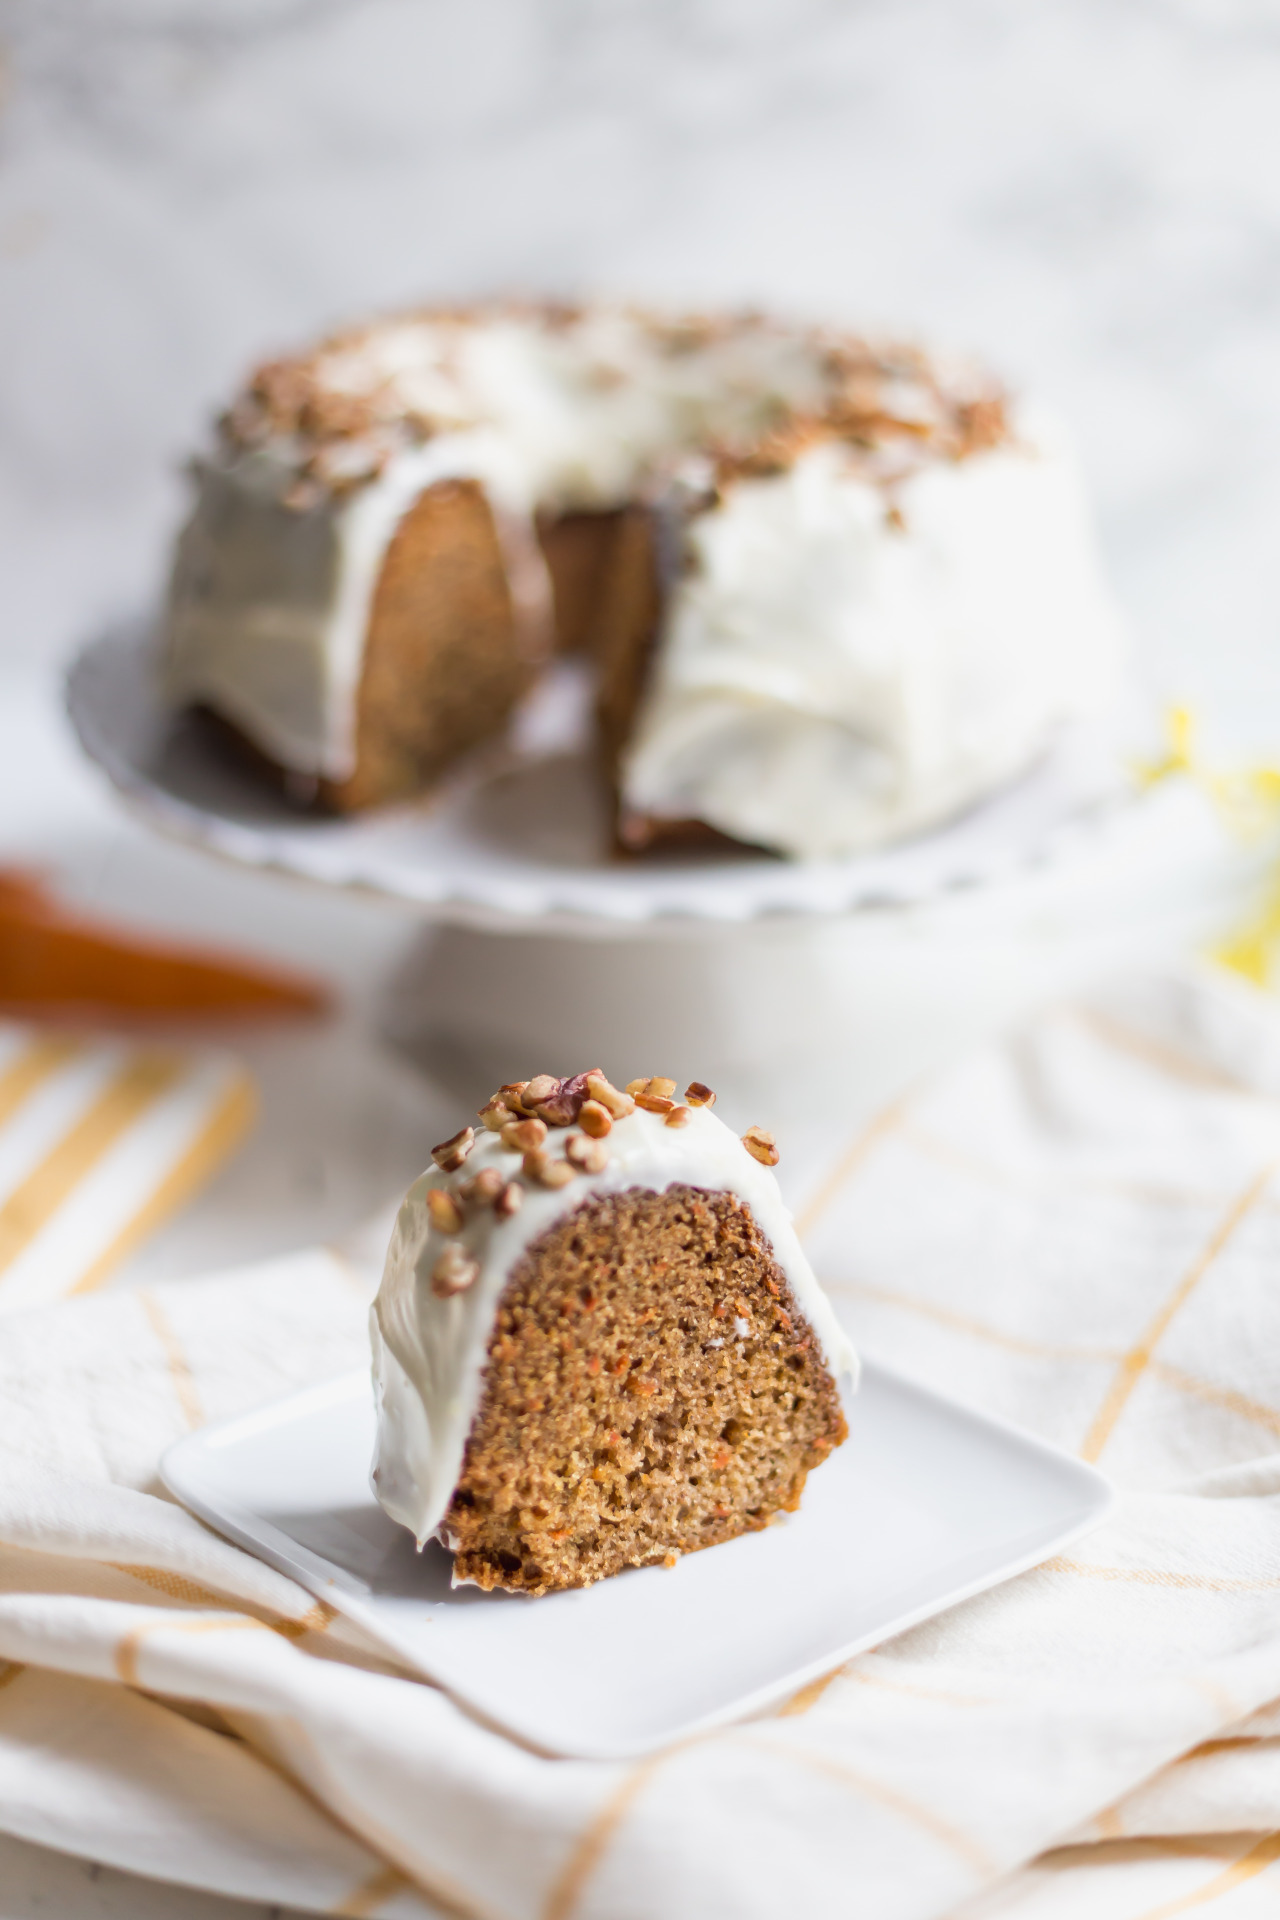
(429, 1353)
(829, 680)
(559, 417)
(288, 667)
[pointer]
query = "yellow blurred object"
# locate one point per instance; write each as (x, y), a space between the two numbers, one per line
(1248, 801)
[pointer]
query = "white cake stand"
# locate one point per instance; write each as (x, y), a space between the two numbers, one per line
(521, 842)
(545, 949)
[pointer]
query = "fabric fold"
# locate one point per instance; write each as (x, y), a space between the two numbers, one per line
(1078, 1228)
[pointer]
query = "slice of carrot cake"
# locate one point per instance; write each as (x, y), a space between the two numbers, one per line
(597, 1343)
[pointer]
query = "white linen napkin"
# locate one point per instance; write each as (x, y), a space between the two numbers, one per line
(1079, 1229)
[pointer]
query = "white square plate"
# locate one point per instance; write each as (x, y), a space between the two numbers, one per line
(926, 1503)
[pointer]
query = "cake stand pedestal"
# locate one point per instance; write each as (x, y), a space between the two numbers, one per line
(837, 1014)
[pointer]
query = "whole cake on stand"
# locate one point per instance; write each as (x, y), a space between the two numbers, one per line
(836, 590)
(838, 792)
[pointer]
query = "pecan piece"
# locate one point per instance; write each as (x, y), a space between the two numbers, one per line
(509, 1201)
(450, 1154)
(656, 1086)
(589, 1156)
(483, 1188)
(616, 1105)
(446, 1214)
(760, 1145)
(594, 1119)
(453, 1272)
(547, 1171)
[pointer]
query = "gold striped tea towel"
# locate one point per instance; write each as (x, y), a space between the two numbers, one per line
(100, 1140)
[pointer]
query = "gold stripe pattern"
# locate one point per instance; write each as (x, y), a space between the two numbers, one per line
(863, 1144)
(1207, 1748)
(1136, 1361)
(226, 1127)
(175, 1586)
(969, 1851)
(364, 1902)
(126, 1654)
(939, 1694)
(808, 1696)
(1224, 1397)
(1157, 1577)
(1247, 1867)
(1109, 1824)
(977, 1329)
(317, 1619)
(1061, 1186)
(34, 1066)
(567, 1888)
(1170, 1061)
(1176, 1377)
(35, 1200)
(184, 1385)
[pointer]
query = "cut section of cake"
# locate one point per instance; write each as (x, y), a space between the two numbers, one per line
(838, 591)
(597, 1343)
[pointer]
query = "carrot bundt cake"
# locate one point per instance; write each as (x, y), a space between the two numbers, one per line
(597, 1343)
(835, 591)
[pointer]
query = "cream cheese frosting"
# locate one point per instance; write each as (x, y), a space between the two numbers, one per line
(860, 639)
(277, 568)
(429, 1352)
(271, 603)
(844, 665)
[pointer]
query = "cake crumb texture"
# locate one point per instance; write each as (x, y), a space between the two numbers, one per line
(650, 1388)
(442, 667)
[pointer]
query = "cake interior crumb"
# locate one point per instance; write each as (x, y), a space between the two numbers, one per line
(651, 1387)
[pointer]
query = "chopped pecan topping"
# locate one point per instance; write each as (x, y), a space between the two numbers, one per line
(655, 1086)
(509, 1201)
(594, 1119)
(588, 1155)
(760, 1145)
(450, 1154)
(446, 1214)
(548, 1171)
(453, 1272)
(616, 1105)
(483, 1188)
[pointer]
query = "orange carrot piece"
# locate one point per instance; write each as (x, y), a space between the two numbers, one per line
(55, 960)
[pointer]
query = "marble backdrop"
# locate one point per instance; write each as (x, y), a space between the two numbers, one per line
(1086, 190)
